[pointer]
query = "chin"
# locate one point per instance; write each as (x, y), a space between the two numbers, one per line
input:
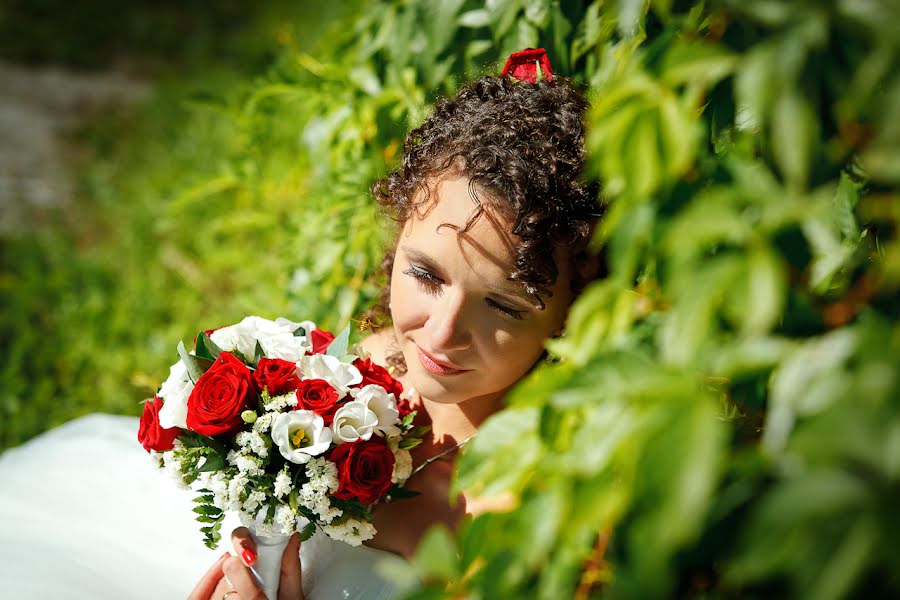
(433, 389)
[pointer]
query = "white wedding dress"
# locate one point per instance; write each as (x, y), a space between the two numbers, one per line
(85, 514)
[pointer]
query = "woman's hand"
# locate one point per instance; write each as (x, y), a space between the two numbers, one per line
(214, 585)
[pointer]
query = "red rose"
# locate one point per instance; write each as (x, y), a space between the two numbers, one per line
(221, 394)
(318, 396)
(150, 434)
(378, 375)
(276, 375)
(403, 407)
(320, 340)
(364, 469)
(523, 65)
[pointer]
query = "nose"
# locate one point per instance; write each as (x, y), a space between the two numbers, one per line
(448, 325)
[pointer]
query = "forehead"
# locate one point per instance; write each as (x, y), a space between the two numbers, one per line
(439, 225)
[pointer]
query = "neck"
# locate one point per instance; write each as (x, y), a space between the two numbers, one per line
(453, 423)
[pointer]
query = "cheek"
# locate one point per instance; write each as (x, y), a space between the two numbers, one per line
(408, 305)
(514, 352)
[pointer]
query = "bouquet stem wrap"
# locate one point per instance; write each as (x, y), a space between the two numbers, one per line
(267, 568)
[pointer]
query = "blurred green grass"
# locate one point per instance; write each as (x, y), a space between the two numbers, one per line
(187, 214)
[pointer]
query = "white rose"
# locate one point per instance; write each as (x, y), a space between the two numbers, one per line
(175, 392)
(300, 435)
(353, 421)
(384, 406)
(330, 368)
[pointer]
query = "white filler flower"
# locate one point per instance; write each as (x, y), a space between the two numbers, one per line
(300, 435)
(351, 531)
(354, 421)
(330, 368)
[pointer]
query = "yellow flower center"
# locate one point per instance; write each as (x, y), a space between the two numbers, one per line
(298, 438)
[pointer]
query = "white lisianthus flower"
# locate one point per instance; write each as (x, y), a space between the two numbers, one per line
(351, 531)
(276, 338)
(384, 406)
(292, 326)
(330, 368)
(175, 392)
(300, 435)
(232, 339)
(354, 421)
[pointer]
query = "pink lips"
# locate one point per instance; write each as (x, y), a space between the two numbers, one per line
(432, 365)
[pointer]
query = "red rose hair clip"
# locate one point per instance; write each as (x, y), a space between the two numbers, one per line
(528, 65)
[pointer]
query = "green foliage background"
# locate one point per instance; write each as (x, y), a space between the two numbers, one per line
(724, 422)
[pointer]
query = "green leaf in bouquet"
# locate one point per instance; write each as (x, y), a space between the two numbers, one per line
(409, 443)
(338, 346)
(191, 439)
(214, 462)
(308, 531)
(420, 431)
(208, 510)
(196, 366)
(207, 519)
(293, 499)
(206, 348)
(204, 499)
(211, 534)
(258, 353)
(408, 419)
(398, 492)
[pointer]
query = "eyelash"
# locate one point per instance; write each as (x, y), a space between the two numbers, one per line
(432, 284)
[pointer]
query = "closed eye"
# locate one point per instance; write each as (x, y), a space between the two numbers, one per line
(510, 312)
(432, 285)
(426, 280)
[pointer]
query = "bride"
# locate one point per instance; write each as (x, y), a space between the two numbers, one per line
(490, 250)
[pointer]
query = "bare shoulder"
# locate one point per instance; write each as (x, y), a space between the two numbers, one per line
(378, 345)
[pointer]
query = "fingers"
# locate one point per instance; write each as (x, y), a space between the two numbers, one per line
(221, 589)
(204, 588)
(243, 545)
(291, 586)
(242, 579)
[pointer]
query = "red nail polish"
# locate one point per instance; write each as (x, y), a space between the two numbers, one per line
(248, 556)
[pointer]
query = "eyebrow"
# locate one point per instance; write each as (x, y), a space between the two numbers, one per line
(427, 261)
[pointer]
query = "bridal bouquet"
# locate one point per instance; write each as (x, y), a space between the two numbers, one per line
(277, 421)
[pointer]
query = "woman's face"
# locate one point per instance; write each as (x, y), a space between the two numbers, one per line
(465, 330)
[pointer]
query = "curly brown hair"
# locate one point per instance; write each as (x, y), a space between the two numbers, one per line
(522, 144)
